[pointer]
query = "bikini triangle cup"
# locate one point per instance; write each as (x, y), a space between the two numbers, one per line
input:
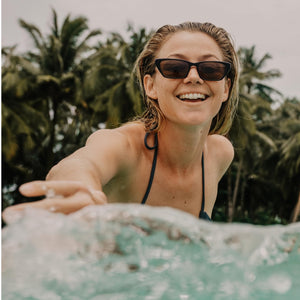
(202, 215)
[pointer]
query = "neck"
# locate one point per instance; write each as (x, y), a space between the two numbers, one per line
(181, 147)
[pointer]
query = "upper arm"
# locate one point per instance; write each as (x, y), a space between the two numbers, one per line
(226, 156)
(110, 152)
(223, 153)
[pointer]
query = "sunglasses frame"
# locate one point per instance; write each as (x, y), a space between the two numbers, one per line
(190, 64)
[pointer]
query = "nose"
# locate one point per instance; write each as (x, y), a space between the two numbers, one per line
(193, 76)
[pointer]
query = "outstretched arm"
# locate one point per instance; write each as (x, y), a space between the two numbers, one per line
(77, 180)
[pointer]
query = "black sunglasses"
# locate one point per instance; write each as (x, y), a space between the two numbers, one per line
(179, 69)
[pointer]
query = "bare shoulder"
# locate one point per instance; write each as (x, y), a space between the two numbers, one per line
(124, 141)
(222, 151)
(112, 151)
(221, 144)
(124, 135)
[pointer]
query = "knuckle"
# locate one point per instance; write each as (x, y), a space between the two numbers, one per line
(98, 197)
(85, 198)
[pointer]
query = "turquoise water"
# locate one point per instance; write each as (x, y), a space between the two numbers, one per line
(118, 252)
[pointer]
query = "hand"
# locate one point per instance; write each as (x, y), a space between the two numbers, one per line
(61, 196)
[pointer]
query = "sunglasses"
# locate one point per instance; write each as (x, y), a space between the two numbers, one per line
(179, 69)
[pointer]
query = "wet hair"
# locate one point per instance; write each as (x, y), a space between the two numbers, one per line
(145, 64)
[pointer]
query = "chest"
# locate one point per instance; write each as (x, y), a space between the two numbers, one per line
(183, 191)
(163, 187)
(175, 191)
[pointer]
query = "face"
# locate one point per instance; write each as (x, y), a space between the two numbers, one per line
(176, 96)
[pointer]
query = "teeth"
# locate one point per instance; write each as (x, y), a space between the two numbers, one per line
(192, 96)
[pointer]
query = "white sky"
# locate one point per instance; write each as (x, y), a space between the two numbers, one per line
(272, 25)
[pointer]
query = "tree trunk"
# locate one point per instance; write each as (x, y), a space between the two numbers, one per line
(53, 105)
(235, 192)
(296, 210)
(229, 192)
(242, 193)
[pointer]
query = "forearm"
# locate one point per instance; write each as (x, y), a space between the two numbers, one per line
(70, 185)
(76, 169)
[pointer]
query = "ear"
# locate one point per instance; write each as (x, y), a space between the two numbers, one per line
(226, 89)
(149, 87)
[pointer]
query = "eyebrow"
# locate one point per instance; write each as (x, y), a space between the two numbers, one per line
(203, 57)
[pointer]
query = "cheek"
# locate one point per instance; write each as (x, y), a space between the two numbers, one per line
(165, 89)
(166, 85)
(226, 90)
(220, 90)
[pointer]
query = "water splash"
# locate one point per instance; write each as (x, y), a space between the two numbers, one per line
(120, 251)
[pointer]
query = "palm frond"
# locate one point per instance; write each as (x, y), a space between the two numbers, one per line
(55, 30)
(34, 32)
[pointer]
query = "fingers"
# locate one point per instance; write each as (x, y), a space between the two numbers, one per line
(13, 213)
(60, 205)
(51, 188)
(57, 189)
(61, 196)
(98, 196)
(65, 205)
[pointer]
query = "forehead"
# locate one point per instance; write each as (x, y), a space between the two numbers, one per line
(191, 46)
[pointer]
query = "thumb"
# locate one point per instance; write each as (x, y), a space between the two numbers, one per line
(98, 196)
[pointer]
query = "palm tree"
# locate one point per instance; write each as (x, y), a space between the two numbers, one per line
(20, 114)
(253, 75)
(255, 103)
(40, 92)
(24, 125)
(288, 167)
(111, 76)
(56, 57)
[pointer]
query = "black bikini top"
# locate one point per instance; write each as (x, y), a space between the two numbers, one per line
(202, 214)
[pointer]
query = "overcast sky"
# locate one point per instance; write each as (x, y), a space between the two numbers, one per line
(272, 25)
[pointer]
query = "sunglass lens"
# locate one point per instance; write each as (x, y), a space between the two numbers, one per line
(174, 68)
(212, 71)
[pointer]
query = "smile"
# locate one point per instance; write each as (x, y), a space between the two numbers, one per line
(192, 97)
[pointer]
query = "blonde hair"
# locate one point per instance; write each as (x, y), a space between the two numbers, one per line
(145, 64)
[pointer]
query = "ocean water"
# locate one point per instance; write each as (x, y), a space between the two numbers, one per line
(128, 251)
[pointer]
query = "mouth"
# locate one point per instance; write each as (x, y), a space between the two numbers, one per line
(192, 97)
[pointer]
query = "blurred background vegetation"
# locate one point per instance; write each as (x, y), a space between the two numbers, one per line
(76, 80)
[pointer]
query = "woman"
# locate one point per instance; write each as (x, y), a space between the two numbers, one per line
(176, 153)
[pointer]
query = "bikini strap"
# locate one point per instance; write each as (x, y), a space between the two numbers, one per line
(155, 147)
(155, 141)
(203, 185)
(203, 215)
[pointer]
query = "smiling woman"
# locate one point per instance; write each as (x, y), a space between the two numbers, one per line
(217, 37)
(188, 75)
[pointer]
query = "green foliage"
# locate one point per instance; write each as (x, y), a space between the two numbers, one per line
(110, 77)
(55, 95)
(265, 170)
